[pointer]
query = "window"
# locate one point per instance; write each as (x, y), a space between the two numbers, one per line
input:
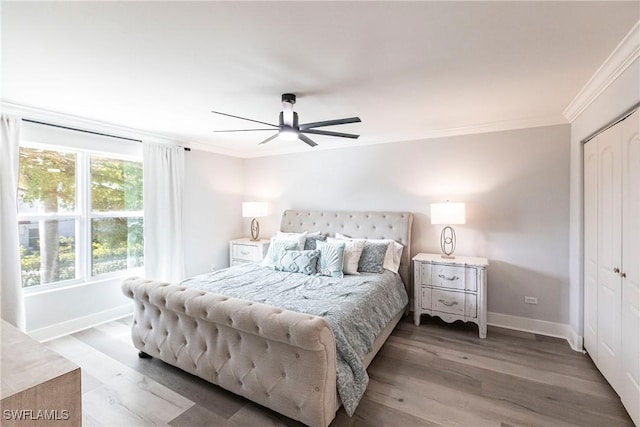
(80, 215)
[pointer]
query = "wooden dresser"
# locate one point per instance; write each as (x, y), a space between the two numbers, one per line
(38, 386)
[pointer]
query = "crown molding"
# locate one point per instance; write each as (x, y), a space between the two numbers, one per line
(33, 113)
(627, 51)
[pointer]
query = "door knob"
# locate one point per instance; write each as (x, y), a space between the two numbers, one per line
(616, 270)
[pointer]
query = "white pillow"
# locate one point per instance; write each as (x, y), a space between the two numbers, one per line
(391, 257)
(352, 253)
(297, 237)
(395, 249)
(275, 247)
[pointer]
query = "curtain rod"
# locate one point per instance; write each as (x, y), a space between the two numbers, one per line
(88, 131)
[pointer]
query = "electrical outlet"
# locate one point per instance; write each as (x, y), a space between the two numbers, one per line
(531, 300)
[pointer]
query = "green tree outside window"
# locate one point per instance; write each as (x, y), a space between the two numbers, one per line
(48, 184)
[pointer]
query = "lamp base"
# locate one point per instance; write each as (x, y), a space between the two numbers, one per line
(448, 256)
(448, 242)
(255, 230)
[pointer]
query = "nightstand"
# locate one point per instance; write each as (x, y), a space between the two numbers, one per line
(243, 251)
(451, 288)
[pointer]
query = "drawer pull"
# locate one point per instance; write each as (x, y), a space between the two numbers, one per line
(447, 303)
(245, 252)
(450, 278)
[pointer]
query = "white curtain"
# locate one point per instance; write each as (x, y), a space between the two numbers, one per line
(11, 300)
(163, 186)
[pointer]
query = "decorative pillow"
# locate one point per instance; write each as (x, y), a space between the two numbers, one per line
(396, 249)
(296, 237)
(372, 259)
(331, 259)
(312, 240)
(294, 261)
(392, 257)
(275, 247)
(352, 253)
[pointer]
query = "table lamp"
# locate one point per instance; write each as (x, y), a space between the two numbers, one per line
(448, 213)
(254, 210)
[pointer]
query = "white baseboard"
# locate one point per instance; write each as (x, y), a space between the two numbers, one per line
(80, 323)
(541, 327)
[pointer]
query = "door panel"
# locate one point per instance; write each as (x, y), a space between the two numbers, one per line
(609, 254)
(591, 248)
(630, 344)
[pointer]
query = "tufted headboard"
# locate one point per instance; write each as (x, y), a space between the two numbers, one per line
(370, 225)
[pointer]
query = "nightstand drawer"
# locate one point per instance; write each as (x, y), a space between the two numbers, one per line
(448, 276)
(451, 302)
(244, 252)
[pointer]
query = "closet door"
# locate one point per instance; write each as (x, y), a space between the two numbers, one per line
(609, 254)
(591, 248)
(630, 346)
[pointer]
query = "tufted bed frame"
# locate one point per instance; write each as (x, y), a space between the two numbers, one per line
(278, 358)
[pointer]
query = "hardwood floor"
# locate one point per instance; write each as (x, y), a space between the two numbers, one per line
(432, 375)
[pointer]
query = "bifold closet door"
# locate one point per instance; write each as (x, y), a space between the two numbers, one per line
(609, 256)
(630, 379)
(612, 258)
(591, 248)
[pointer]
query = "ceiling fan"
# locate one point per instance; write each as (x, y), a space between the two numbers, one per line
(288, 127)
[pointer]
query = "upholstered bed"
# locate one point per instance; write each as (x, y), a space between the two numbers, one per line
(277, 357)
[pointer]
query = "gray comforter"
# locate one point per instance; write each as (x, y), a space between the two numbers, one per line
(357, 308)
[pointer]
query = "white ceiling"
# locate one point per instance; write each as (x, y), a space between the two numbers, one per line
(409, 70)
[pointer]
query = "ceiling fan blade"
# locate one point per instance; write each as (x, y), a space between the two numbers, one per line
(241, 130)
(307, 140)
(243, 118)
(329, 133)
(330, 123)
(269, 139)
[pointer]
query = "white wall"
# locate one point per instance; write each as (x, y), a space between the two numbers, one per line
(60, 311)
(515, 184)
(212, 211)
(620, 96)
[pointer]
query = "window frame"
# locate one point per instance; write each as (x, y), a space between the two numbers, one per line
(83, 216)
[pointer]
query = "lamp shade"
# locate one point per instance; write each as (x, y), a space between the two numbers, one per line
(448, 213)
(254, 209)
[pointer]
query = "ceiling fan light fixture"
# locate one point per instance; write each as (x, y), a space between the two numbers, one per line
(288, 134)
